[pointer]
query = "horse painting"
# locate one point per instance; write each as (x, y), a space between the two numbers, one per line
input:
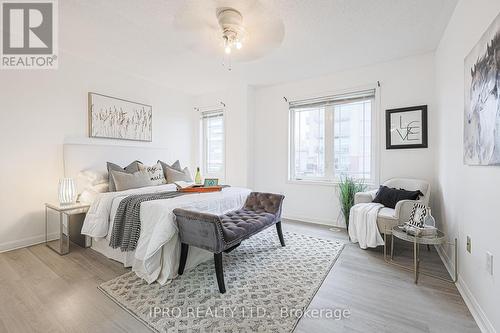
(482, 100)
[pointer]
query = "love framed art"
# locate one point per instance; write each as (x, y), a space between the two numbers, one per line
(406, 128)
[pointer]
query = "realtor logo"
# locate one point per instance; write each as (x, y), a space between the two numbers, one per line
(29, 34)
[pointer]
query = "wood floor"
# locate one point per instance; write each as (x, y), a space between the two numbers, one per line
(41, 291)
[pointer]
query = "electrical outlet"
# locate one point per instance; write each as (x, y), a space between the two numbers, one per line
(469, 244)
(489, 262)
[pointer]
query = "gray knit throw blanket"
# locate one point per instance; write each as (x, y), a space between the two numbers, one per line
(127, 224)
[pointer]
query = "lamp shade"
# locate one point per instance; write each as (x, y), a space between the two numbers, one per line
(67, 191)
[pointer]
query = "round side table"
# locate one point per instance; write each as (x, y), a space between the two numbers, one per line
(437, 239)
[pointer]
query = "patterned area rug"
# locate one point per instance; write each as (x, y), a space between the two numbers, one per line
(268, 287)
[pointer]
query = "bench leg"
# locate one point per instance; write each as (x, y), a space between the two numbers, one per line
(184, 255)
(280, 233)
(219, 272)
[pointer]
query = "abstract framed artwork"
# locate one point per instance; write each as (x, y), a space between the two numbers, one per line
(482, 100)
(116, 118)
(406, 127)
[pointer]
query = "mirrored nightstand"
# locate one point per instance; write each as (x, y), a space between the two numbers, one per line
(64, 223)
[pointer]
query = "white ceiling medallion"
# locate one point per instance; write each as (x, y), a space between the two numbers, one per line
(234, 30)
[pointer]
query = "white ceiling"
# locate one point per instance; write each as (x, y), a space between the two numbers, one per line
(321, 37)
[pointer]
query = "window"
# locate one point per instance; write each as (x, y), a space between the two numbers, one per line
(212, 143)
(332, 137)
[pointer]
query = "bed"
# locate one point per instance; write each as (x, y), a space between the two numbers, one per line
(156, 256)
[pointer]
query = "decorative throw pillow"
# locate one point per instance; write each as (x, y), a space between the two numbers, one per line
(155, 173)
(91, 177)
(126, 181)
(188, 174)
(176, 175)
(176, 166)
(131, 168)
(89, 194)
(389, 197)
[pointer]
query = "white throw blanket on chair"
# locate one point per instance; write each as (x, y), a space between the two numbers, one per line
(363, 225)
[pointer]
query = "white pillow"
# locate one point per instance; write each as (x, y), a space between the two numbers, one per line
(86, 179)
(155, 173)
(89, 195)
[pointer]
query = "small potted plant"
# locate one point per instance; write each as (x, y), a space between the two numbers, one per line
(347, 188)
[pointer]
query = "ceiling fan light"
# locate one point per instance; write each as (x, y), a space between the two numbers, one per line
(239, 45)
(227, 49)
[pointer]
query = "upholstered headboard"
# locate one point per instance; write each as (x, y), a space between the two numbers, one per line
(78, 157)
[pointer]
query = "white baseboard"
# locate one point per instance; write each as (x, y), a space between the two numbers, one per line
(477, 312)
(25, 242)
(329, 223)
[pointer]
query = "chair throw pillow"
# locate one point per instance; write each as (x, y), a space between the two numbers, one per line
(389, 197)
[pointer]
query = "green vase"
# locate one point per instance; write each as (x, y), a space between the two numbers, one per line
(197, 177)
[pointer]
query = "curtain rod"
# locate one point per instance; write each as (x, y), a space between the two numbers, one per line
(210, 107)
(286, 99)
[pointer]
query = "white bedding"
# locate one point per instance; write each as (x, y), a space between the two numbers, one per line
(156, 257)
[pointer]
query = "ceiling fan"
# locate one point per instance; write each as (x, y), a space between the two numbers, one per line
(236, 31)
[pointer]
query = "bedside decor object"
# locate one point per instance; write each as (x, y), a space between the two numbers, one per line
(197, 177)
(417, 215)
(406, 127)
(481, 111)
(116, 118)
(69, 225)
(347, 188)
(211, 182)
(420, 223)
(67, 191)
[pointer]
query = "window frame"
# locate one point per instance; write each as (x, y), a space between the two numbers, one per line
(203, 140)
(329, 136)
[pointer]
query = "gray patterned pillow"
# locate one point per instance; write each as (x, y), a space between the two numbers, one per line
(126, 181)
(131, 168)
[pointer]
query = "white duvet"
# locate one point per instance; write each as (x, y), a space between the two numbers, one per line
(156, 257)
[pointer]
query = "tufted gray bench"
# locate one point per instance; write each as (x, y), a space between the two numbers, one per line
(223, 233)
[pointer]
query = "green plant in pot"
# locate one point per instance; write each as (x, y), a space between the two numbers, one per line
(347, 188)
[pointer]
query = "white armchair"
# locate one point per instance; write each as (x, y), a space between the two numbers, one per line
(389, 217)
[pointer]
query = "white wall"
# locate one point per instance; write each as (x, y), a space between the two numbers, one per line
(238, 131)
(405, 82)
(467, 195)
(42, 109)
